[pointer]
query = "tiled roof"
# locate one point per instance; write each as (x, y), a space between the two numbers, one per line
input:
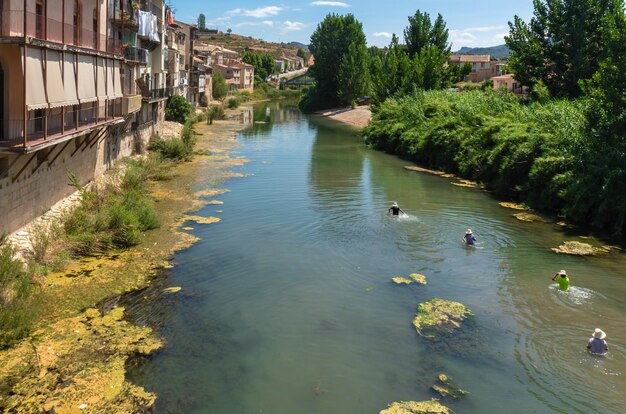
(470, 58)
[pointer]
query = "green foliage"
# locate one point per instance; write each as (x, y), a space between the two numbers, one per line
(171, 149)
(264, 63)
(465, 70)
(17, 312)
(518, 150)
(220, 87)
(354, 78)
(330, 44)
(215, 112)
(178, 109)
(233, 103)
(202, 22)
(561, 45)
(423, 33)
(301, 53)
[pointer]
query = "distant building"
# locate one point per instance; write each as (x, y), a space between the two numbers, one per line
(483, 67)
(510, 84)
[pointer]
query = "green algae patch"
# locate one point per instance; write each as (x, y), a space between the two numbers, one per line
(581, 249)
(401, 281)
(215, 202)
(514, 206)
(201, 220)
(417, 407)
(428, 171)
(528, 217)
(439, 317)
(447, 388)
(171, 290)
(212, 192)
(78, 361)
(466, 184)
(417, 278)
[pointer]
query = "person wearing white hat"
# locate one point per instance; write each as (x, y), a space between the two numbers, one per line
(563, 280)
(395, 209)
(469, 238)
(597, 345)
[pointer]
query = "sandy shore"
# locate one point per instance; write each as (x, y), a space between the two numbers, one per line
(359, 117)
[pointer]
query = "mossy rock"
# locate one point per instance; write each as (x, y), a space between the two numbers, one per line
(170, 290)
(439, 317)
(414, 407)
(514, 206)
(417, 278)
(528, 217)
(445, 387)
(581, 249)
(401, 281)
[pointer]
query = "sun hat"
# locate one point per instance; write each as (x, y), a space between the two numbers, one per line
(562, 273)
(395, 204)
(469, 231)
(599, 334)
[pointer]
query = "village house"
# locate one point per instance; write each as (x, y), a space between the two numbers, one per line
(238, 75)
(508, 83)
(483, 67)
(82, 84)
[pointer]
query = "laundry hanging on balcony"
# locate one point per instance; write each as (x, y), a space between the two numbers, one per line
(145, 21)
(154, 29)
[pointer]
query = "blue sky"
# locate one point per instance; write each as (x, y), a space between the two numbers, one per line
(471, 23)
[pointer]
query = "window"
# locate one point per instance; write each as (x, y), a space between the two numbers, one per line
(4, 167)
(40, 18)
(77, 22)
(95, 28)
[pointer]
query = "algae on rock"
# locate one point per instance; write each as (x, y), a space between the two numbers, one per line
(414, 407)
(417, 278)
(580, 249)
(401, 281)
(447, 388)
(438, 317)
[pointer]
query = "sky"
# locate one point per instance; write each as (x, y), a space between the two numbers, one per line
(475, 23)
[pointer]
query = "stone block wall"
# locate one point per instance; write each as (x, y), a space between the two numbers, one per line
(32, 183)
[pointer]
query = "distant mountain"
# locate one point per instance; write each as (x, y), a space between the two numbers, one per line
(499, 52)
(299, 45)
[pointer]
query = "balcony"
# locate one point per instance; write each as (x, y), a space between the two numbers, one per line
(125, 19)
(19, 25)
(56, 126)
(136, 55)
(154, 95)
(131, 104)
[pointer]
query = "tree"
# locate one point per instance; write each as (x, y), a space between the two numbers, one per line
(561, 45)
(601, 163)
(301, 53)
(330, 43)
(220, 88)
(466, 69)
(354, 78)
(202, 22)
(422, 33)
(229, 31)
(178, 109)
(264, 63)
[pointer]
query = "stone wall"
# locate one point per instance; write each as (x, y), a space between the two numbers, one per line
(30, 184)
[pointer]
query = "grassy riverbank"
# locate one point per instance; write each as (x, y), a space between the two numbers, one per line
(76, 352)
(529, 152)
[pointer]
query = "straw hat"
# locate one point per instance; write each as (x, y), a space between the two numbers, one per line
(599, 334)
(562, 273)
(469, 231)
(395, 204)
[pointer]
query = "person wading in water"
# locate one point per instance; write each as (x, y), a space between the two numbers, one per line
(563, 281)
(597, 345)
(469, 238)
(395, 209)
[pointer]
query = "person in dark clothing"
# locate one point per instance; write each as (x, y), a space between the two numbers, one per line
(469, 238)
(395, 209)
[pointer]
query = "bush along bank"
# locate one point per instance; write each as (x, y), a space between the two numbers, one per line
(529, 152)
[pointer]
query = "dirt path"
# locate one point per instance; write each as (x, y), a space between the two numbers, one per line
(359, 117)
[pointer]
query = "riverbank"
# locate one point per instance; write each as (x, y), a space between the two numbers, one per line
(74, 360)
(359, 117)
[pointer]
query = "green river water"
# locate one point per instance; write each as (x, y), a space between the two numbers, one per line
(287, 304)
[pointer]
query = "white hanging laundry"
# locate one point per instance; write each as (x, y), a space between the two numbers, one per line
(154, 34)
(144, 23)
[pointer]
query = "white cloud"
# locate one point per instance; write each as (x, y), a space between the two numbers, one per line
(330, 3)
(383, 34)
(477, 36)
(260, 12)
(289, 26)
(266, 23)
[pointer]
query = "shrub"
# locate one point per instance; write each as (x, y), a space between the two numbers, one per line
(233, 103)
(172, 149)
(17, 313)
(220, 87)
(215, 112)
(204, 101)
(178, 109)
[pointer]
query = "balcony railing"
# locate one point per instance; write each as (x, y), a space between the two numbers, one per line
(135, 54)
(55, 125)
(20, 25)
(161, 93)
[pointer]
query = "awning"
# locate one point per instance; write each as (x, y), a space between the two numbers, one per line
(117, 79)
(69, 79)
(101, 79)
(35, 86)
(110, 90)
(86, 79)
(54, 79)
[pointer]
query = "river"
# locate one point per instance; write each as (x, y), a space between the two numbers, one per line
(287, 304)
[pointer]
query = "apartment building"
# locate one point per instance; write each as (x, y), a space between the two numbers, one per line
(483, 66)
(178, 70)
(238, 75)
(78, 80)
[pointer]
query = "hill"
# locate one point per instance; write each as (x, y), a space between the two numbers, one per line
(240, 43)
(499, 52)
